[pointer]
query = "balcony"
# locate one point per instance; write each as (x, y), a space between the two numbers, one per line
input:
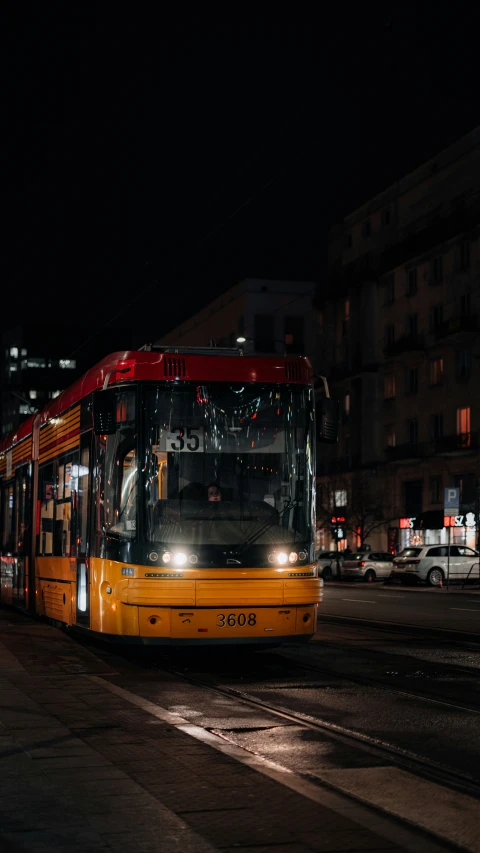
(456, 325)
(409, 343)
(408, 452)
(455, 445)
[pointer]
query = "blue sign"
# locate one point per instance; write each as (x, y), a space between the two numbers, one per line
(451, 501)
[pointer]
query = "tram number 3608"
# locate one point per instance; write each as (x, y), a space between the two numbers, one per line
(234, 619)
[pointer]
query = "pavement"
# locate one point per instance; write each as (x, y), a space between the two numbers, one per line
(86, 767)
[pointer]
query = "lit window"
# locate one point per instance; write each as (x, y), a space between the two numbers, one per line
(341, 497)
(68, 363)
(36, 362)
(33, 395)
(463, 426)
(23, 352)
(54, 394)
(436, 371)
(390, 435)
(12, 368)
(24, 409)
(389, 386)
(347, 404)
(14, 352)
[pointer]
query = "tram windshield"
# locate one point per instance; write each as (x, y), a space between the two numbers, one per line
(227, 464)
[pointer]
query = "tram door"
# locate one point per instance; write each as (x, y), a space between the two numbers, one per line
(83, 531)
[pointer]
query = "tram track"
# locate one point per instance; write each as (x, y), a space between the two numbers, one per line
(402, 758)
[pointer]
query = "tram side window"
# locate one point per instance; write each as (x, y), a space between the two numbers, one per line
(83, 475)
(45, 513)
(22, 501)
(67, 485)
(8, 507)
(118, 472)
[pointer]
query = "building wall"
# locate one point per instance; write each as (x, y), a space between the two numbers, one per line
(407, 321)
(234, 314)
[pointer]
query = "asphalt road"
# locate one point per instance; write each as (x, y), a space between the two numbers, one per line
(455, 611)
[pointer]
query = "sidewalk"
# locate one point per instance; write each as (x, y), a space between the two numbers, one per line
(82, 770)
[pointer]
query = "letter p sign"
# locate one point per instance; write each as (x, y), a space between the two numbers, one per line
(452, 501)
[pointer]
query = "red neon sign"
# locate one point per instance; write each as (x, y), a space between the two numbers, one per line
(405, 524)
(338, 519)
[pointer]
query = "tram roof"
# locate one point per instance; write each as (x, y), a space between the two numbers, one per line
(172, 365)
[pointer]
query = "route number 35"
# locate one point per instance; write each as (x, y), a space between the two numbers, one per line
(185, 440)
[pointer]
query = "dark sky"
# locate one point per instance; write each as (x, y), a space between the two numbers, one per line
(150, 160)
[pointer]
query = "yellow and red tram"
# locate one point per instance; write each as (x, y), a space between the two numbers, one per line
(169, 497)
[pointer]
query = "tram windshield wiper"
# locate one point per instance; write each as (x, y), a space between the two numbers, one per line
(274, 519)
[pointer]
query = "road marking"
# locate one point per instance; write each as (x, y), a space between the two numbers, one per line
(391, 595)
(362, 600)
(466, 609)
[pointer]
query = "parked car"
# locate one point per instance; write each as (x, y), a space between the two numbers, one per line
(429, 564)
(368, 565)
(327, 564)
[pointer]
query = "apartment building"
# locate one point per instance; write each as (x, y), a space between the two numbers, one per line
(398, 333)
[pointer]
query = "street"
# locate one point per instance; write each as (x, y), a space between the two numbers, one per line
(452, 610)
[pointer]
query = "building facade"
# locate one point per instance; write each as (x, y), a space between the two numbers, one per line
(398, 333)
(271, 317)
(38, 362)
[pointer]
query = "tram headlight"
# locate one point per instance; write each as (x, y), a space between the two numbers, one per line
(282, 558)
(293, 557)
(166, 557)
(272, 558)
(180, 558)
(193, 559)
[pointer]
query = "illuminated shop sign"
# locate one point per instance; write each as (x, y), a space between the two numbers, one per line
(466, 520)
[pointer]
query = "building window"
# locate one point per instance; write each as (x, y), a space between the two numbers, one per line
(390, 435)
(389, 290)
(437, 269)
(389, 334)
(68, 363)
(346, 317)
(436, 316)
(463, 360)
(23, 352)
(467, 485)
(24, 409)
(53, 394)
(464, 255)
(389, 386)
(412, 428)
(412, 325)
(340, 497)
(33, 395)
(348, 241)
(294, 335)
(412, 381)
(436, 371)
(264, 334)
(366, 228)
(12, 368)
(465, 305)
(386, 216)
(346, 405)
(463, 426)
(435, 490)
(412, 282)
(436, 426)
(34, 362)
(13, 352)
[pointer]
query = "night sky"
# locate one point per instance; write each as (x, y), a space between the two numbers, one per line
(150, 161)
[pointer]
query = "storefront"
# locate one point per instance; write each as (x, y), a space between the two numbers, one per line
(432, 528)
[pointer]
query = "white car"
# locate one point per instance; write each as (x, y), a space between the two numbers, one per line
(368, 565)
(429, 563)
(327, 564)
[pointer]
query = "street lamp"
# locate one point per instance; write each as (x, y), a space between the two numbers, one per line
(287, 342)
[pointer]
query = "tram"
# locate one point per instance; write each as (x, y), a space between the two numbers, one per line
(168, 496)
